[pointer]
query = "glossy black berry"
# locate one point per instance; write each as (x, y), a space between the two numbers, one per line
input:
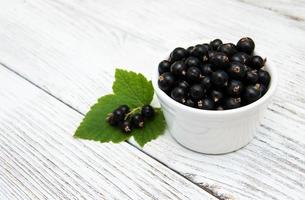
(229, 49)
(126, 126)
(189, 49)
(219, 108)
(251, 77)
(118, 115)
(192, 62)
(215, 44)
(206, 82)
(137, 121)
(231, 103)
(166, 81)
(207, 46)
(190, 103)
(246, 45)
(147, 111)
(263, 89)
(216, 95)
(178, 68)
(178, 54)
(220, 61)
(264, 77)
(219, 78)
(234, 88)
(201, 52)
(112, 120)
(251, 93)
(196, 92)
(193, 74)
(124, 108)
(241, 57)
(211, 54)
(257, 62)
(237, 70)
(164, 66)
(183, 84)
(206, 69)
(205, 104)
(179, 94)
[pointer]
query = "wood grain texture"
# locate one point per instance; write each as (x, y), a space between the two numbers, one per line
(70, 49)
(41, 160)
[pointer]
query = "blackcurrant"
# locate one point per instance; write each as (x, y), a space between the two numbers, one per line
(166, 81)
(220, 61)
(190, 103)
(200, 52)
(219, 108)
(246, 45)
(183, 84)
(237, 70)
(215, 44)
(206, 69)
(179, 94)
(147, 111)
(189, 49)
(192, 62)
(112, 120)
(251, 77)
(231, 103)
(263, 77)
(211, 54)
(124, 108)
(164, 66)
(118, 115)
(178, 68)
(234, 88)
(257, 62)
(251, 93)
(207, 46)
(241, 57)
(206, 82)
(216, 95)
(263, 89)
(219, 78)
(205, 104)
(193, 74)
(126, 126)
(229, 49)
(137, 120)
(196, 92)
(178, 54)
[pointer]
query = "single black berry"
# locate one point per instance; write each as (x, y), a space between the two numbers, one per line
(251, 93)
(257, 62)
(237, 70)
(207, 46)
(178, 54)
(216, 95)
(166, 81)
(251, 77)
(147, 111)
(124, 108)
(200, 52)
(231, 103)
(241, 57)
(112, 120)
(190, 103)
(192, 62)
(220, 78)
(193, 74)
(196, 92)
(246, 45)
(234, 88)
(206, 69)
(219, 108)
(178, 68)
(179, 94)
(205, 104)
(206, 82)
(164, 66)
(137, 121)
(126, 126)
(183, 84)
(211, 54)
(220, 61)
(215, 44)
(263, 89)
(229, 49)
(263, 77)
(189, 49)
(118, 115)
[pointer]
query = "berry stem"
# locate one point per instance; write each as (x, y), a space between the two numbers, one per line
(132, 112)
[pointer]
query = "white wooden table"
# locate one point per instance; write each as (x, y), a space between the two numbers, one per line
(58, 56)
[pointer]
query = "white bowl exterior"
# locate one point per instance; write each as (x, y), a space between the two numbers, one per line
(214, 132)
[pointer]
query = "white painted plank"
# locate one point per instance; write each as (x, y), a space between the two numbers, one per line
(41, 160)
(70, 49)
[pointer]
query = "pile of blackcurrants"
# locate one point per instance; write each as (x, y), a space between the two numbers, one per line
(214, 76)
(128, 120)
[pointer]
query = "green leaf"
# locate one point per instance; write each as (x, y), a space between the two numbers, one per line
(135, 88)
(152, 129)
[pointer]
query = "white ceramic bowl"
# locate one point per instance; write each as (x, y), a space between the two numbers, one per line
(214, 132)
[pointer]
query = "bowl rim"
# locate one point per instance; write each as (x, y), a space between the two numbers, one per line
(252, 106)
